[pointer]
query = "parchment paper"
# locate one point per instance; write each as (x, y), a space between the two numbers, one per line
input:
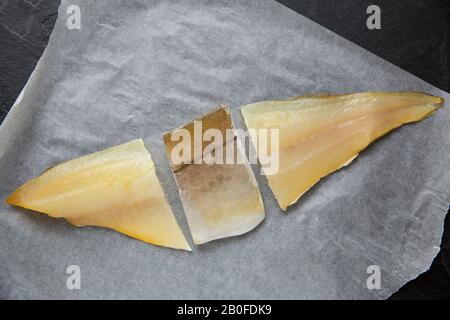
(141, 68)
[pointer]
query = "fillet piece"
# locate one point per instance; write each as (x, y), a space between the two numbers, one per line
(221, 198)
(320, 134)
(115, 188)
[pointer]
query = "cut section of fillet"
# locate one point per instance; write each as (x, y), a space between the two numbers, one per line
(220, 196)
(115, 188)
(320, 134)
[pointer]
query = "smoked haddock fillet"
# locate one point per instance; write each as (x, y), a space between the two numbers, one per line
(221, 198)
(322, 133)
(115, 188)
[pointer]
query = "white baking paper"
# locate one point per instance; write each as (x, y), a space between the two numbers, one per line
(141, 68)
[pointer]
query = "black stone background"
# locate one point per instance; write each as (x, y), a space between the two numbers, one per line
(414, 35)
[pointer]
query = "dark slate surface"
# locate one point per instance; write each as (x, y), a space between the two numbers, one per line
(413, 35)
(25, 27)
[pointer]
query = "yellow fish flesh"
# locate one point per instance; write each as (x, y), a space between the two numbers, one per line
(115, 188)
(321, 133)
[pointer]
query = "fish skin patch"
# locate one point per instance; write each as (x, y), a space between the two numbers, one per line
(220, 199)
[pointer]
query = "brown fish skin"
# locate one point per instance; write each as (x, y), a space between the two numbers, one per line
(320, 134)
(219, 118)
(220, 200)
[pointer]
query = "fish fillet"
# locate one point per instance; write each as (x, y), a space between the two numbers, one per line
(115, 188)
(220, 199)
(320, 134)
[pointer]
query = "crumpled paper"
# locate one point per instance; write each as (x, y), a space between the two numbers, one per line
(141, 68)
